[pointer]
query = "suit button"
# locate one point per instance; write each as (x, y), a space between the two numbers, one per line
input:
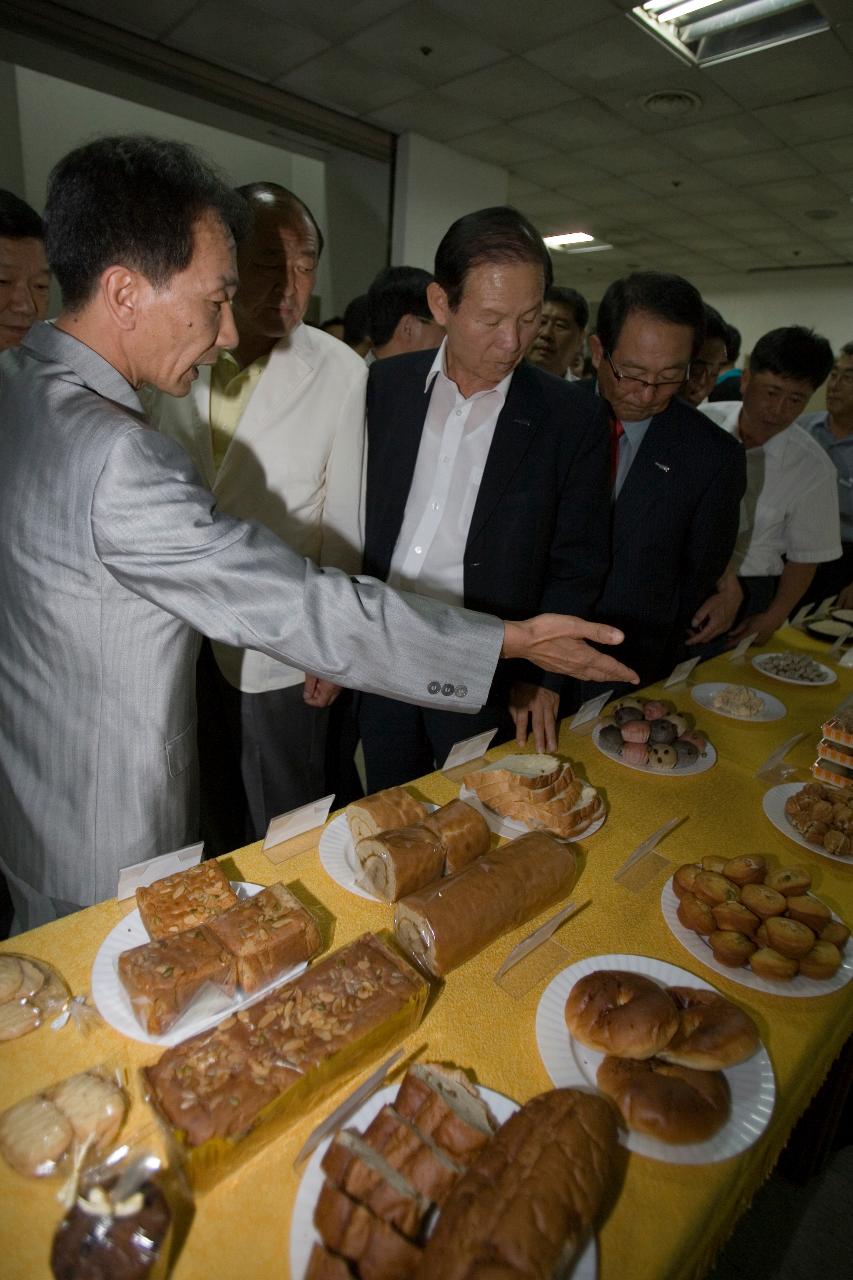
(433, 687)
(461, 691)
(447, 689)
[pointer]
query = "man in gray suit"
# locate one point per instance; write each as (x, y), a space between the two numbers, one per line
(113, 556)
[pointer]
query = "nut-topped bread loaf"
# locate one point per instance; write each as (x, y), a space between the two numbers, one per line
(185, 899)
(266, 935)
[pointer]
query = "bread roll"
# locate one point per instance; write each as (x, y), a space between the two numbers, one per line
(622, 1013)
(532, 1195)
(712, 1032)
(672, 1103)
(463, 832)
(447, 923)
(385, 811)
(394, 863)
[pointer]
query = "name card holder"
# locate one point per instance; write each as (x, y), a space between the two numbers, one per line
(294, 832)
(584, 719)
(165, 864)
(739, 654)
(466, 755)
(680, 673)
(799, 618)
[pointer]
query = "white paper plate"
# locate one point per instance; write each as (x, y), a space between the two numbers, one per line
(510, 828)
(570, 1064)
(303, 1235)
(843, 615)
(704, 695)
(773, 805)
(827, 629)
(700, 949)
(702, 765)
(827, 676)
(113, 1002)
(338, 857)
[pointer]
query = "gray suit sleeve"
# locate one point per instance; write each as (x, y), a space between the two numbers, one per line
(158, 532)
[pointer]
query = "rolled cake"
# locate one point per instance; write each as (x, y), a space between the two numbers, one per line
(385, 811)
(448, 922)
(463, 832)
(394, 863)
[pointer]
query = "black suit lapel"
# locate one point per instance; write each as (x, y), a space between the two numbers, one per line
(654, 475)
(516, 427)
(391, 468)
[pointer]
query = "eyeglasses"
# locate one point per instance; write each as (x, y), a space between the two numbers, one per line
(640, 384)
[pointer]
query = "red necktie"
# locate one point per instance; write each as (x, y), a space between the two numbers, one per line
(617, 431)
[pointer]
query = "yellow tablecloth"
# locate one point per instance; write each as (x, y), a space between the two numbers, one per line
(668, 1219)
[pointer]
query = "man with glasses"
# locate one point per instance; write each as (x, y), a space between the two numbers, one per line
(706, 364)
(398, 315)
(676, 485)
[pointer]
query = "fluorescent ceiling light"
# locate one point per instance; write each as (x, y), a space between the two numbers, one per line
(570, 237)
(707, 31)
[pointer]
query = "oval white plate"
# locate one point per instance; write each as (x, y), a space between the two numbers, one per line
(702, 765)
(338, 857)
(827, 675)
(113, 1002)
(704, 694)
(744, 977)
(843, 615)
(510, 828)
(773, 805)
(827, 629)
(303, 1234)
(570, 1064)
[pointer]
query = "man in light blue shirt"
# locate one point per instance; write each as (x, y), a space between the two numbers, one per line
(832, 428)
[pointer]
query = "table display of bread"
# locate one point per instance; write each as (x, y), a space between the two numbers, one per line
(541, 792)
(649, 733)
(30, 990)
(766, 919)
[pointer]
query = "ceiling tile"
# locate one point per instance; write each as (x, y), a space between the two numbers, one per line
(432, 115)
(730, 135)
(146, 17)
(844, 180)
(785, 72)
(576, 123)
(766, 166)
(341, 79)
(835, 153)
(726, 200)
(742, 258)
(518, 188)
(397, 43)
(331, 18)
(828, 115)
(519, 31)
(604, 55)
(628, 96)
(258, 45)
(501, 145)
(641, 156)
(739, 221)
(555, 167)
(506, 87)
(797, 193)
(838, 228)
(599, 191)
(679, 177)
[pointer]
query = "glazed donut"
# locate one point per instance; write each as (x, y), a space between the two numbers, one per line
(712, 1032)
(621, 1013)
(672, 1103)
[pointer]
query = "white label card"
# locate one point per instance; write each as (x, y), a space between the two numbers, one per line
(145, 873)
(297, 821)
(847, 660)
(825, 606)
(681, 672)
(590, 710)
(469, 749)
(740, 651)
(840, 642)
(801, 615)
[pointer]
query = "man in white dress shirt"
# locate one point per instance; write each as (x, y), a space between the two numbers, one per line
(832, 428)
(789, 516)
(277, 431)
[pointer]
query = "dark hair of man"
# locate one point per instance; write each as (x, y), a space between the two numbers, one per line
(847, 349)
(499, 234)
(132, 200)
(355, 321)
(715, 326)
(572, 300)
(17, 220)
(733, 341)
(658, 294)
(394, 293)
(332, 320)
(793, 352)
(257, 196)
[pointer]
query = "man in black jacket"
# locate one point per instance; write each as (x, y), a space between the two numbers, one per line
(481, 487)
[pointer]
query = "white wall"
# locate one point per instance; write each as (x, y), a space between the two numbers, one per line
(433, 186)
(821, 300)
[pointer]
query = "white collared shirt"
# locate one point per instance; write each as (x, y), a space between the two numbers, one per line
(790, 506)
(430, 549)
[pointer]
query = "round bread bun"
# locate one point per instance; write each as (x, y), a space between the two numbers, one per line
(735, 916)
(768, 963)
(715, 863)
(750, 869)
(672, 1103)
(835, 932)
(763, 901)
(822, 961)
(696, 915)
(621, 1013)
(713, 888)
(809, 911)
(788, 880)
(730, 947)
(682, 879)
(712, 1032)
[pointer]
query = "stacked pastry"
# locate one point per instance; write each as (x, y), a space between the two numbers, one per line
(516, 1200)
(765, 919)
(822, 815)
(201, 933)
(665, 1051)
(835, 753)
(401, 847)
(539, 791)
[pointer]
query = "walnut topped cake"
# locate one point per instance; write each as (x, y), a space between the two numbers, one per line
(185, 899)
(162, 977)
(267, 934)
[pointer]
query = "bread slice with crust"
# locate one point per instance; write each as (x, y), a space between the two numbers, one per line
(376, 1249)
(365, 1175)
(445, 1107)
(527, 771)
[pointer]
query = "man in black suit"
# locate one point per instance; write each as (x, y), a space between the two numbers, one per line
(481, 487)
(677, 485)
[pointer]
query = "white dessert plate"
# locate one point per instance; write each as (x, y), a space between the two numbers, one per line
(761, 660)
(700, 949)
(303, 1234)
(843, 615)
(338, 857)
(704, 694)
(773, 804)
(828, 629)
(571, 1065)
(511, 828)
(702, 765)
(209, 1006)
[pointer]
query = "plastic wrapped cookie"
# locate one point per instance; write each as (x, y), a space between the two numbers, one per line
(662, 756)
(30, 989)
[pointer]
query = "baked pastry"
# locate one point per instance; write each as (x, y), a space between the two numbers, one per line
(385, 811)
(713, 887)
(836, 933)
(95, 1107)
(526, 789)
(763, 901)
(267, 935)
(446, 1108)
(736, 917)
(353, 1165)
(730, 947)
(696, 915)
(185, 899)
(101, 1240)
(682, 879)
(531, 1196)
(18, 1018)
(446, 923)
(789, 881)
(427, 1167)
(672, 1103)
(622, 1013)
(748, 869)
(821, 813)
(712, 1032)
(789, 937)
(715, 862)
(377, 1251)
(809, 911)
(163, 977)
(533, 772)
(394, 863)
(768, 963)
(29, 989)
(34, 1136)
(463, 832)
(738, 700)
(822, 961)
(325, 1265)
